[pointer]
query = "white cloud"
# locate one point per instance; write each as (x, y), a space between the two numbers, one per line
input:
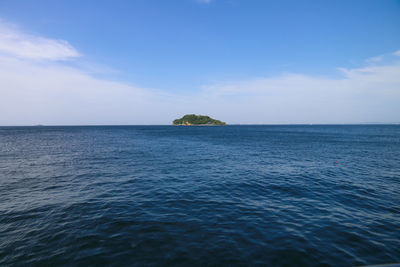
(397, 53)
(16, 43)
(48, 92)
(32, 93)
(368, 94)
(52, 94)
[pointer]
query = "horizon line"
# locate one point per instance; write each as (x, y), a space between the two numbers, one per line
(233, 124)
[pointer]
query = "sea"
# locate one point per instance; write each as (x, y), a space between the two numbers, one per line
(238, 195)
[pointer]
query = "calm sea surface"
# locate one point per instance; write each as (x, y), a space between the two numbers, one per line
(234, 195)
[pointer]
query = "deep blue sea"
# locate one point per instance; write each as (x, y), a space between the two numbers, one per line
(309, 195)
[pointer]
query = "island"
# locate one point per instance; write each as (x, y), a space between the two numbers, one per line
(192, 119)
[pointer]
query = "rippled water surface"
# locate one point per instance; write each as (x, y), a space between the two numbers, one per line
(234, 195)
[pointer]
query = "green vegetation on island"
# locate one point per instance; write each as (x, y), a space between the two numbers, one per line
(193, 119)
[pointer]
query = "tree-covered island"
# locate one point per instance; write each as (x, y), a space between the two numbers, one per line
(192, 119)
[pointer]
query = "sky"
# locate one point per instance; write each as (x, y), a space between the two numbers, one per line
(240, 61)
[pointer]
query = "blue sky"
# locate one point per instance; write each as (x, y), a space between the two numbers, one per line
(261, 57)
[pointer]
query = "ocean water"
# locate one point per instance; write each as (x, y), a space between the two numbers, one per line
(194, 196)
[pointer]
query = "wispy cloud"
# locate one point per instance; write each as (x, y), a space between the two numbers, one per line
(362, 95)
(374, 59)
(397, 53)
(16, 43)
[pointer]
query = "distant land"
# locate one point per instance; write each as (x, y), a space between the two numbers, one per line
(192, 119)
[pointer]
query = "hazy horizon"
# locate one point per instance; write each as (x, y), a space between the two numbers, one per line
(149, 62)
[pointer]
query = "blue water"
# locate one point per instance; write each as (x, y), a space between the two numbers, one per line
(186, 196)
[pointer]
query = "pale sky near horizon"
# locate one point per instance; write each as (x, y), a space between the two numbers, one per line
(149, 62)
